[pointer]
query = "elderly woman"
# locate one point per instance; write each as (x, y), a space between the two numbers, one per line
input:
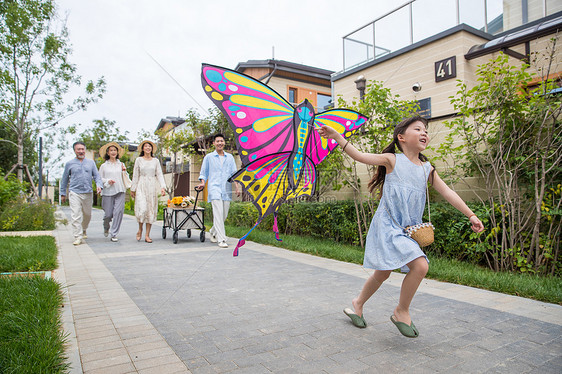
(147, 180)
(113, 194)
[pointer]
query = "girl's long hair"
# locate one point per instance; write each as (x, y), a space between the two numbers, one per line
(378, 179)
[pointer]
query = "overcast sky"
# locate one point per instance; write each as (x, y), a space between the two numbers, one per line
(115, 39)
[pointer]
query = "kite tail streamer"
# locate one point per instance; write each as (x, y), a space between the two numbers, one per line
(275, 229)
(242, 240)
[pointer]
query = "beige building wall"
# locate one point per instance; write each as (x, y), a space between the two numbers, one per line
(417, 66)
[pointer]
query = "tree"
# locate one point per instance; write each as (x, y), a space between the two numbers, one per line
(511, 129)
(35, 72)
(384, 111)
(103, 132)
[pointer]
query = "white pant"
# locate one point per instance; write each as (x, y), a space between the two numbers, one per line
(80, 211)
(220, 212)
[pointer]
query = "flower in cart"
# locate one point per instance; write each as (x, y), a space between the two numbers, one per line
(177, 200)
(189, 200)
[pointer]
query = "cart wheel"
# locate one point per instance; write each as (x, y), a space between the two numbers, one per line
(163, 233)
(202, 236)
(189, 233)
(175, 237)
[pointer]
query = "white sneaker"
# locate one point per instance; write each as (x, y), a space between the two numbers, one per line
(114, 239)
(223, 245)
(77, 241)
(213, 238)
(84, 236)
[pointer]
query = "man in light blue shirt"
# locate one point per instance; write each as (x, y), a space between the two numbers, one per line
(80, 171)
(217, 167)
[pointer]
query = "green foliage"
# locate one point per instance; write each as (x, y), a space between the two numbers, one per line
(511, 138)
(102, 132)
(32, 253)
(10, 190)
(543, 288)
(32, 339)
(8, 149)
(23, 215)
(35, 74)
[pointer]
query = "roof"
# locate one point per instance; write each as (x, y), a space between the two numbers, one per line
(285, 66)
(176, 121)
(544, 26)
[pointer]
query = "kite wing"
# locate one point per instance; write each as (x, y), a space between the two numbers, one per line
(262, 120)
(344, 121)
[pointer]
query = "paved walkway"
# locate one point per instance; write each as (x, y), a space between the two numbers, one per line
(134, 307)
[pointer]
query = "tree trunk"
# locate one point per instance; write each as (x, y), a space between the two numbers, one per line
(20, 157)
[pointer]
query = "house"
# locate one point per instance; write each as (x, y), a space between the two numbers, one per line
(420, 50)
(175, 167)
(295, 82)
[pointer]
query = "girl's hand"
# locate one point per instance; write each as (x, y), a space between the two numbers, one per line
(477, 225)
(133, 194)
(123, 167)
(111, 181)
(163, 191)
(327, 132)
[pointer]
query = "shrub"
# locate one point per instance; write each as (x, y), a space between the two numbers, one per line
(334, 220)
(10, 190)
(21, 215)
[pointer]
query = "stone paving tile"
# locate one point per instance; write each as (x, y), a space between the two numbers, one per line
(106, 362)
(117, 369)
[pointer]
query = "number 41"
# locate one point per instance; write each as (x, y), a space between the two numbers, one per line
(441, 72)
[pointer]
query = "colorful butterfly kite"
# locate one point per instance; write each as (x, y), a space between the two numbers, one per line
(276, 142)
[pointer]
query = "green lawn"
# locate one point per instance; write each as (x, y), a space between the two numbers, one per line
(27, 253)
(31, 335)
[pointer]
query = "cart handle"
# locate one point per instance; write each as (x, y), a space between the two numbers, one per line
(199, 189)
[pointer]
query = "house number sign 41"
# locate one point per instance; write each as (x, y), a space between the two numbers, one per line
(446, 69)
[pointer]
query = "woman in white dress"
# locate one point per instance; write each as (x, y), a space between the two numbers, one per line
(147, 180)
(113, 194)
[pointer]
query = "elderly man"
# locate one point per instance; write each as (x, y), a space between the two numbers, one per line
(80, 171)
(217, 167)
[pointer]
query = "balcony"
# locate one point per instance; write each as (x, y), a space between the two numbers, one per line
(417, 20)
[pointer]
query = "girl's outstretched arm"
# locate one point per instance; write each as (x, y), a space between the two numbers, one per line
(455, 200)
(385, 159)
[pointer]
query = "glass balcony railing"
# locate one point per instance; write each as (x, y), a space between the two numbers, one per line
(416, 20)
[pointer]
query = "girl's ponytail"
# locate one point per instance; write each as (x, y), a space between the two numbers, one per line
(378, 178)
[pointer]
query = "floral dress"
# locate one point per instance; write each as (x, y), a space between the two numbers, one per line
(147, 182)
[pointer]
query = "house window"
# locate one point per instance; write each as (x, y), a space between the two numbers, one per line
(292, 95)
(324, 102)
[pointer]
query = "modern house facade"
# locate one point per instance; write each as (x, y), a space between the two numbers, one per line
(420, 50)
